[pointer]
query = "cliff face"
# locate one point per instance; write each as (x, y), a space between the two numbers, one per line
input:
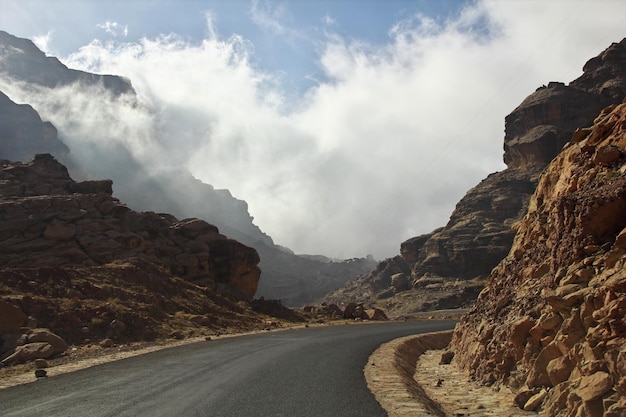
(552, 319)
(49, 220)
(447, 267)
(23, 134)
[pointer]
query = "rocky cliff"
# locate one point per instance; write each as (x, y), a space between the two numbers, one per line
(294, 279)
(78, 266)
(551, 321)
(447, 267)
(48, 220)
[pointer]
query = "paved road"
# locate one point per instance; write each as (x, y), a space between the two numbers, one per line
(315, 372)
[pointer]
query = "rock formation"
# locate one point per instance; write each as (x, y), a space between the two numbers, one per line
(49, 220)
(447, 267)
(551, 321)
(294, 279)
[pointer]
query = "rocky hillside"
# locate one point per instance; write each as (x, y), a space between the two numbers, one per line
(78, 266)
(49, 220)
(448, 267)
(295, 279)
(551, 321)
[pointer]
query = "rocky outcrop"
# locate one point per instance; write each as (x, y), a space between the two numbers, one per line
(48, 220)
(551, 321)
(447, 267)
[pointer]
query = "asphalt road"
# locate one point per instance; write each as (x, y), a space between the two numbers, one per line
(315, 372)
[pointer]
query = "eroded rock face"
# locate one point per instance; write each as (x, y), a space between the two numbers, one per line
(49, 220)
(553, 315)
(452, 263)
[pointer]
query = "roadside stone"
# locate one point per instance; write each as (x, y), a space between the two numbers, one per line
(107, 343)
(41, 373)
(45, 335)
(41, 363)
(535, 401)
(29, 352)
(522, 397)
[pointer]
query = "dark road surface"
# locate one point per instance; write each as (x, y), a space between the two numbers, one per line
(316, 372)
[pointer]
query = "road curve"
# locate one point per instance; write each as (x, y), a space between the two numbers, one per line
(314, 372)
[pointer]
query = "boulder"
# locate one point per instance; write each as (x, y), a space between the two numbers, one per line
(44, 335)
(29, 352)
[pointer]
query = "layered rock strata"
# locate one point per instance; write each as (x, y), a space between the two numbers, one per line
(551, 322)
(49, 220)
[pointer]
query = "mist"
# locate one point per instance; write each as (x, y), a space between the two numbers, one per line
(379, 149)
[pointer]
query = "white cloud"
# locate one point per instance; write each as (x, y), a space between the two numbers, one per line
(382, 150)
(328, 20)
(114, 28)
(268, 15)
(43, 41)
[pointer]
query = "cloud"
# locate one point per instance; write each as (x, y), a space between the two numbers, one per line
(328, 20)
(114, 28)
(43, 41)
(267, 15)
(379, 151)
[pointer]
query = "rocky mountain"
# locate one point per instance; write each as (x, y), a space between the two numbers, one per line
(448, 267)
(79, 267)
(294, 279)
(49, 220)
(551, 322)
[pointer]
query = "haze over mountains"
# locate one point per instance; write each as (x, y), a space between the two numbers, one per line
(144, 183)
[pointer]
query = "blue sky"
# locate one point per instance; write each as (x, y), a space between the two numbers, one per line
(347, 126)
(285, 35)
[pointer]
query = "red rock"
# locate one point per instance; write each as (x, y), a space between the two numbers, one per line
(594, 386)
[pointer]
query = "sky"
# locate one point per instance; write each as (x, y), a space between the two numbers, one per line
(348, 126)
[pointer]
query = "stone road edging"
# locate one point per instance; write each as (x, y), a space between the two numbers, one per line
(389, 374)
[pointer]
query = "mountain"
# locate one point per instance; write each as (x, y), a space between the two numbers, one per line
(79, 267)
(448, 267)
(295, 279)
(551, 322)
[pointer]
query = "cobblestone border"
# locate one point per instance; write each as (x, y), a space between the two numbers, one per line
(389, 375)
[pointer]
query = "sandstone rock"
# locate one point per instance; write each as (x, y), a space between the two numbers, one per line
(55, 221)
(594, 386)
(107, 343)
(11, 318)
(41, 363)
(573, 224)
(522, 397)
(559, 369)
(535, 401)
(44, 335)
(29, 352)
(376, 314)
(538, 375)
